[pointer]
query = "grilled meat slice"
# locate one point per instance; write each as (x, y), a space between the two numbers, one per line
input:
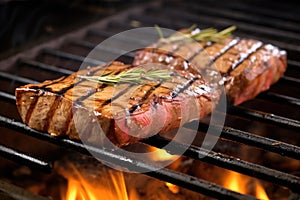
(247, 66)
(79, 108)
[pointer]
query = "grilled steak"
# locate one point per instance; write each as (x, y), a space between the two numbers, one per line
(76, 107)
(247, 66)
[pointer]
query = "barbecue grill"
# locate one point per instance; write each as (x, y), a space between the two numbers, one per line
(269, 122)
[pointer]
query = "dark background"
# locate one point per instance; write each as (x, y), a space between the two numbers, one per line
(27, 23)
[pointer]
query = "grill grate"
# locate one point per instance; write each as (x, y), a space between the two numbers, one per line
(252, 19)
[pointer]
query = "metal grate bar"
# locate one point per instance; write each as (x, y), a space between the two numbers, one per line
(7, 96)
(286, 6)
(244, 137)
(293, 63)
(107, 34)
(250, 139)
(90, 45)
(228, 162)
(246, 27)
(70, 56)
(12, 192)
(221, 160)
(164, 174)
(23, 158)
(248, 112)
(257, 27)
(45, 66)
(83, 43)
(240, 15)
(16, 78)
(256, 10)
(290, 79)
(263, 30)
(290, 47)
(207, 21)
(272, 96)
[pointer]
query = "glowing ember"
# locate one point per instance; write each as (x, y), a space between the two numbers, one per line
(245, 185)
(110, 187)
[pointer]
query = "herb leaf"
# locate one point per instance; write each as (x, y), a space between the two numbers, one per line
(132, 76)
(209, 34)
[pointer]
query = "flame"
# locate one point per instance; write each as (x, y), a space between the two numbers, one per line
(234, 182)
(161, 155)
(173, 188)
(240, 183)
(260, 191)
(111, 187)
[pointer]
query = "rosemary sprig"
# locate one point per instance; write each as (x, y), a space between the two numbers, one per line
(209, 34)
(160, 33)
(132, 76)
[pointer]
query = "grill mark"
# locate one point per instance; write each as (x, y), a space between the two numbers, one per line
(169, 53)
(224, 50)
(89, 73)
(208, 44)
(50, 114)
(48, 84)
(40, 92)
(55, 81)
(141, 101)
(90, 93)
(32, 106)
(173, 81)
(116, 96)
(173, 53)
(244, 57)
(64, 90)
(79, 101)
(174, 73)
(68, 122)
(180, 88)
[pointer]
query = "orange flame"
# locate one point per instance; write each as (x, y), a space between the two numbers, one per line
(173, 188)
(260, 192)
(161, 155)
(240, 183)
(112, 187)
